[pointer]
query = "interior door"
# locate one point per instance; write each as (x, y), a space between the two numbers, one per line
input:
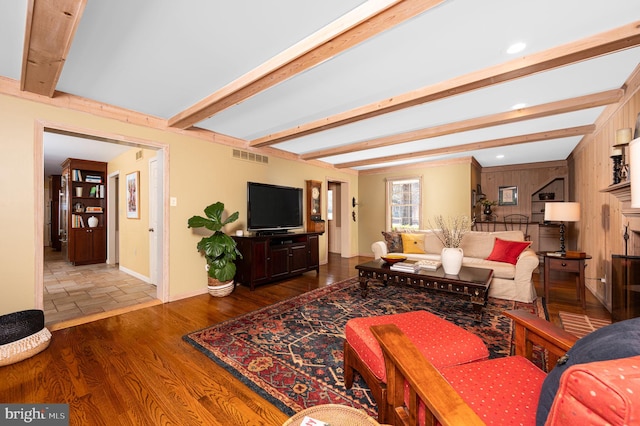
(153, 220)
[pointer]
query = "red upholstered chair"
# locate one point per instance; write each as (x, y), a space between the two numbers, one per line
(510, 390)
(440, 341)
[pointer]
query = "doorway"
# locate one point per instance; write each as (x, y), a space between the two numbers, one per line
(339, 223)
(334, 218)
(161, 214)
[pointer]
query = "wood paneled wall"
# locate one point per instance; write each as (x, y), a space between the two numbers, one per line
(529, 178)
(601, 228)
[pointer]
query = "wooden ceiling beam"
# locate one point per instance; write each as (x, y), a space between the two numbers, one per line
(51, 26)
(601, 44)
(494, 143)
(364, 22)
(553, 108)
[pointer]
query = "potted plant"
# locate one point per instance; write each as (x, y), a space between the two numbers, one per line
(486, 205)
(450, 234)
(219, 249)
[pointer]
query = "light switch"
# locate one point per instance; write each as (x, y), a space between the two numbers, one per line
(173, 201)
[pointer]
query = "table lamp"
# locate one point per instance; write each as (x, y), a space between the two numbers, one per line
(562, 212)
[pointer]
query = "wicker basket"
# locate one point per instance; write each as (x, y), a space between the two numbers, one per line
(18, 325)
(22, 335)
(334, 414)
(222, 289)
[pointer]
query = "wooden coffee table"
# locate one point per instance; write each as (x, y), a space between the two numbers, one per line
(470, 282)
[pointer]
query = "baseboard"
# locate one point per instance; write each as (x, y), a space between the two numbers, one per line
(135, 274)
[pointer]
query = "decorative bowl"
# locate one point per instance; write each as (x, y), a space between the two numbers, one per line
(547, 195)
(393, 258)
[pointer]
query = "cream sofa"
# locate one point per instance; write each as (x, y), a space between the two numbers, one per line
(511, 282)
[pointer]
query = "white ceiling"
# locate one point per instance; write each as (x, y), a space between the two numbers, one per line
(159, 57)
(58, 147)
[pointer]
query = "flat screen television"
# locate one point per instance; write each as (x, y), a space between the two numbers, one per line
(273, 208)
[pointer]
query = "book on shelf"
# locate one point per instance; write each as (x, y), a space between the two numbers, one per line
(77, 221)
(93, 209)
(76, 175)
(93, 179)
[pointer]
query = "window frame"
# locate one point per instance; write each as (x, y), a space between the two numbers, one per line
(390, 182)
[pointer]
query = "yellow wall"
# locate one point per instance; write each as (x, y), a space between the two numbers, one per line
(200, 173)
(446, 190)
(134, 233)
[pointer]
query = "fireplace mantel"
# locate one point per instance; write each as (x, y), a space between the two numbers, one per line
(622, 191)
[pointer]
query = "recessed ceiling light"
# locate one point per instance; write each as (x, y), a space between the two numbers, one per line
(519, 106)
(500, 156)
(516, 47)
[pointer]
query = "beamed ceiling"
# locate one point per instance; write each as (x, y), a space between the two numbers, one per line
(351, 84)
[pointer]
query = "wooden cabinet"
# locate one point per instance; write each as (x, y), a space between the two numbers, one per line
(269, 258)
(625, 290)
(89, 245)
(84, 188)
(313, 261)
(548, 238)
(314, 206)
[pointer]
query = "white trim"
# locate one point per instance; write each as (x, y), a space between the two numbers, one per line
(135, 274)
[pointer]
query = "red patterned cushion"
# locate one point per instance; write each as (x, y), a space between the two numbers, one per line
(507, 251)
(604, 392)
(502, 391)
(440, 341)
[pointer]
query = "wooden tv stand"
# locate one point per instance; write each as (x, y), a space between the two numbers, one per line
(268, 258)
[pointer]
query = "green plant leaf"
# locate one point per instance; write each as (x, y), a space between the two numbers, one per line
(219, 249)
(200, 222)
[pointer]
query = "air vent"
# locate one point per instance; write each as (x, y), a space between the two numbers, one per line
(250, 156)
(139, 155)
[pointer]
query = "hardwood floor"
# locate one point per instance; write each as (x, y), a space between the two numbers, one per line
(135, 369)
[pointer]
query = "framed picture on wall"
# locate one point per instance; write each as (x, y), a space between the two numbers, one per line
(508, 196)
(133, 195)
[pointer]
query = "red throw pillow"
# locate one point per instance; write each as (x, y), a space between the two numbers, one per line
(507, 251)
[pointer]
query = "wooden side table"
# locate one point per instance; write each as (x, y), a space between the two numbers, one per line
(573, 265)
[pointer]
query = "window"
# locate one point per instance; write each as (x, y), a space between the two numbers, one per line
(403, 199)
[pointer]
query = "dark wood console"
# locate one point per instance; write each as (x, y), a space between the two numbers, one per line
(625, 291)
(269, 258)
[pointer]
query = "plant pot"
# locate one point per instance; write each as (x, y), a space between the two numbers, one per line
(487, 210)
(220, 289)
(451, 260)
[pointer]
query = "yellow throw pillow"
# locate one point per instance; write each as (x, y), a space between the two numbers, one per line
(413, 243)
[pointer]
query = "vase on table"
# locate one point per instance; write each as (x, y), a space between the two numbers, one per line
(451, 258)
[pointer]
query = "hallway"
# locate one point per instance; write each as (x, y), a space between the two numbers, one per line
(72, 292)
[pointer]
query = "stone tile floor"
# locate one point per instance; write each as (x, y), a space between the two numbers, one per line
(72, 292)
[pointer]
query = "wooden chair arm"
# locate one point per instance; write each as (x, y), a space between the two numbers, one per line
(405, 362)
(532, 330)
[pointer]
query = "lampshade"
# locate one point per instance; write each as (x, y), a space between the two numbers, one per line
(623, 136)
(562, 212)
(634, 172)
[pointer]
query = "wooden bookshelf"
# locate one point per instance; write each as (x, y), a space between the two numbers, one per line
(84, 185)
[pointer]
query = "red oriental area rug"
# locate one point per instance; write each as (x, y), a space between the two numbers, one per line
(291, 352)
